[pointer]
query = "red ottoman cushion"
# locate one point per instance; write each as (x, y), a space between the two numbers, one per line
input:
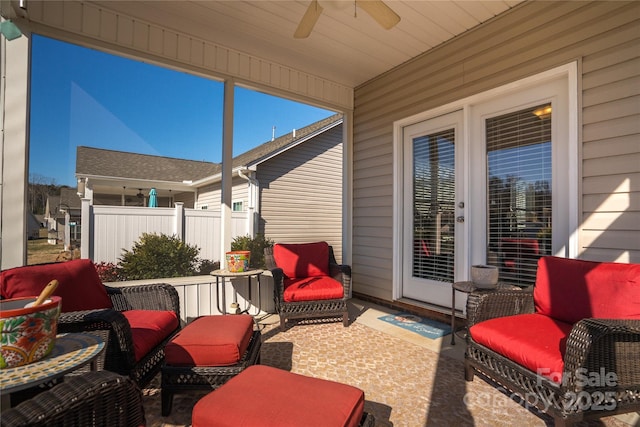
(262, 396)
(149, 328)
(211, 341)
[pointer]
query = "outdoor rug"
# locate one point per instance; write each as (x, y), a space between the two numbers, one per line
(425, 327)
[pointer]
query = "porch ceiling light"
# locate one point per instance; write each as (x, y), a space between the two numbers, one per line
(10, 30)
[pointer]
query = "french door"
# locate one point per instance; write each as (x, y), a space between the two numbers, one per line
(488, 183)
(432, 216)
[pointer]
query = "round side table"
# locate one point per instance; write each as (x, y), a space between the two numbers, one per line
(223, 274)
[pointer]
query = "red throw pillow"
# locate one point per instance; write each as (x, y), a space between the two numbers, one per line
(79, 285)
(571, 289)
(299, 260)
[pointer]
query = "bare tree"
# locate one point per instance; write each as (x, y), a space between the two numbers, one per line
(40, 187)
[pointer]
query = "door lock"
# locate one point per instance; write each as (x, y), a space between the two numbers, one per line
(460, 219)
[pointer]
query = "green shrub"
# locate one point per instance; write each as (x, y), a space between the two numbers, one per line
(207, 266)
(157, 256)
(254, 244)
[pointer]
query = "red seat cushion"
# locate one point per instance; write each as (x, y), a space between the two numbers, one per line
(79, 285)
(149, 328)
(299, 260)
(312, 289)
(534, 341)
(571, 290)
(262, 396)
(211, 341)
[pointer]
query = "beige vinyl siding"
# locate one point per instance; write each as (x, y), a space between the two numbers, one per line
(210, 194)
(301, 192)
(531, 38)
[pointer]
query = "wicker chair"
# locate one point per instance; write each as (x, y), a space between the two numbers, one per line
(100, 398)
(120, 350)
(596, 348)
(117, 314)
(333, 307)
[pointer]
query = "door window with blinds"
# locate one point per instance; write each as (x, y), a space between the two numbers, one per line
(519, 208)
(433, 206)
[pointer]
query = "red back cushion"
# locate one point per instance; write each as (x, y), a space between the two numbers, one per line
(570, 290)
(302, 259)
(80, 287)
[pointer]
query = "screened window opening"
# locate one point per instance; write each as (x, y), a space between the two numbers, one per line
(519, 192)
(433, 206)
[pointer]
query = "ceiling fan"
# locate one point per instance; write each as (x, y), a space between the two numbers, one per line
(379, 11)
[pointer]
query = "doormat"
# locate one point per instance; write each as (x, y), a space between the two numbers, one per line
(426, 327)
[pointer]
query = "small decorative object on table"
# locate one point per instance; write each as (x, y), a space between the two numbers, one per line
(484, 276)
(28, 332)
(238, 261)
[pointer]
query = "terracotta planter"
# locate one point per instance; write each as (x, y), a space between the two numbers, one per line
(238, 261)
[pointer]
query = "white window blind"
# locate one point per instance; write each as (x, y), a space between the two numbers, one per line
(519, 192)
(433, 206)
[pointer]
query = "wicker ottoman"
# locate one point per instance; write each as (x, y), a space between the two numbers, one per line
(206, 353)
(269, 397)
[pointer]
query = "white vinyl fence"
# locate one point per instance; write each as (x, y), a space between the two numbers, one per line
(107, 230)
(199, 296)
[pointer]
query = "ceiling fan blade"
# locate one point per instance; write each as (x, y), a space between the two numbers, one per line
(308, 20)
(379, 11)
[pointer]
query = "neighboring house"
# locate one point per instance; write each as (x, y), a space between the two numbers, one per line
(62, 218)
(118, 178)
(33, 226)
(291, 186)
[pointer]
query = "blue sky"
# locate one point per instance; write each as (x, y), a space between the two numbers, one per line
(85, 97)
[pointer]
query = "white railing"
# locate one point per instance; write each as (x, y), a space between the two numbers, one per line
(198, 295)
(107, 230)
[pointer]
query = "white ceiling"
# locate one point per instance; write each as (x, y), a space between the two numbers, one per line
(342, 48)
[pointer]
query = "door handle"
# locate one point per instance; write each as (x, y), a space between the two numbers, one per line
(460, 219)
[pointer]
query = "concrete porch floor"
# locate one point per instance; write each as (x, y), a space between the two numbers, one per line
(408, 380)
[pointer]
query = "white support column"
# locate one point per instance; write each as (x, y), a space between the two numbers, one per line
(227, 158)
(14, 169)
(347, 187)
(86, 221)
(178, 225)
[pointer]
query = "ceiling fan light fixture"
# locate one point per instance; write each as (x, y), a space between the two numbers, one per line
(377, 9)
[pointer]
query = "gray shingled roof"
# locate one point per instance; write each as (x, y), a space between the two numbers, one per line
(267, 148)
(119, 164)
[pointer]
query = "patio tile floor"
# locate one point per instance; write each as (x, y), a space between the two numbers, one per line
(408, 380)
